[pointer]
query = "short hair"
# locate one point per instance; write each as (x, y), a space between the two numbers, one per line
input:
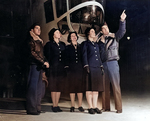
(88, 30)
(51, 34)
(69, 36)
(33, 26)
(28, 33)
(103, 25)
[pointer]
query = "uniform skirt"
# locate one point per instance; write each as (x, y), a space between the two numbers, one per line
(75, 79)
(57, 78)
(94, 79)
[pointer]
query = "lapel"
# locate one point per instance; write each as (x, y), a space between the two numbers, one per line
(109, 40)
(56, 45)
(93, 44)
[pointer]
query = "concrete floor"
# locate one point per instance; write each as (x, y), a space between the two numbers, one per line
(136, 107)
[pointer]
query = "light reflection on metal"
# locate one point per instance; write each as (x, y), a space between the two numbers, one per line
(86, 16)
(84, 4)
(93, 10)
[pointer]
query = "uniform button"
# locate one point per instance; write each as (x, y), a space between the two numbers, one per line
(94, 47)
(76, 54)
(59, 59)
(96, 59)
(59, 51)
(95, 51)
(75, 50)
(95, 55)
(59, 48)
(59, 55)
(76, 61)
(76, 58)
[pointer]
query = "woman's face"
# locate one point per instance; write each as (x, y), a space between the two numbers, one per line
(36, 30)
(73, 37)
(57, 34)
(92, 33)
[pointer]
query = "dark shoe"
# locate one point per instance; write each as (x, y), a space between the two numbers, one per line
(41, 111)
(58, 109)
(119, 111)
(103, 110)
(106, 109)
(33, 113)
(81, 109)
(97, 111)
(91, 111)
(72, 109)
(54, 109)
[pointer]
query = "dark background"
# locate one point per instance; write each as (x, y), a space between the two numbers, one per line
(16, 16)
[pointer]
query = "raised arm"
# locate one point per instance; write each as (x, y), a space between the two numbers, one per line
(122, 27)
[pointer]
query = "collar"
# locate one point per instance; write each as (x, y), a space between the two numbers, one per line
(92, 42)
(110, 35)
(56, 43)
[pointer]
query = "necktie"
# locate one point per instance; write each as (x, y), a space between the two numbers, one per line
(93, 42)
(106, 39)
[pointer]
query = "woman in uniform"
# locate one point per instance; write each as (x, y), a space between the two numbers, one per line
(54, 51)
(75, 71)
(93, 66)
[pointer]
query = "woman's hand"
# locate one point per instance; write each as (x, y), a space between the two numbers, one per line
(87, 69)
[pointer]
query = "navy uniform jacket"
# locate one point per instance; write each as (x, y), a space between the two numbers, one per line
(73, 56)
(90, 54)
(54, 53)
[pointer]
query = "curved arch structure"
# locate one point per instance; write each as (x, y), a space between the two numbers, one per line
(88, 3)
